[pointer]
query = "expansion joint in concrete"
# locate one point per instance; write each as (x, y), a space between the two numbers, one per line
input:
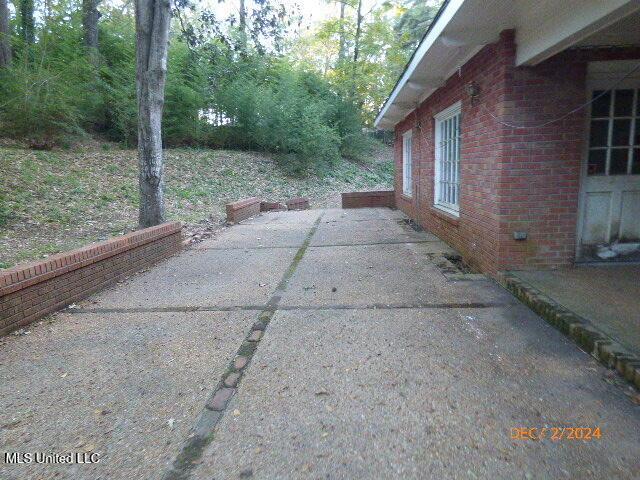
(203, 432)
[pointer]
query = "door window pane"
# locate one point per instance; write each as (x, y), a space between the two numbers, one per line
(599, 133)
(621, 132)
(623, 103)
(597, 162)
(600, 107)
(635, 166)
(619, 160)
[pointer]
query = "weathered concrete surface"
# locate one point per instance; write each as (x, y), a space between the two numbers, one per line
(126, 386)
(349, 380)
(606, 295)
(362, 214)
(202, 278)
(272, 234)
(298, 217)
(401, 274)
(364, 232)
(420, 394)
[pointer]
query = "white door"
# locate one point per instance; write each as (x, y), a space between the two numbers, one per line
(610, 193)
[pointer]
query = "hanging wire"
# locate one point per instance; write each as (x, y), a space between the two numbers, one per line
(584, 105)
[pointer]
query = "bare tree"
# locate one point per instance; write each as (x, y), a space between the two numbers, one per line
(152, 38)
(5, 39)
(90, 17)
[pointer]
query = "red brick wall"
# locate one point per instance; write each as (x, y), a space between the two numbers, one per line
(34, 290)
(384, 198)
(540, 167)
(243, 209)
(512, 179)
(475, 232)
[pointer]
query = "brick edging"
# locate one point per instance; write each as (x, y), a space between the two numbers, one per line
(598, 344)
(20, 277)
(31, 291)
(371, 199)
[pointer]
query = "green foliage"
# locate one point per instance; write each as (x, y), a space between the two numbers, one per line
(55, 92)
(414, 21)
(43, 96)
(293, 113)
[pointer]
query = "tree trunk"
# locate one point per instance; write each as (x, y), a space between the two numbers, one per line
(243, 26)
(5, 38)
(341, 51)
(90, 16)
(26, 21)
(152, 38)
(356, 49)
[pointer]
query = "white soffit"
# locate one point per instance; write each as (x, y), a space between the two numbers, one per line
(543, 28)
(547, 27)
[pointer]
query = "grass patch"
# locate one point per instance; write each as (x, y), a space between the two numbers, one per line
(52, 201)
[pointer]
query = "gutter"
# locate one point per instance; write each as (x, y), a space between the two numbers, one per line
(406, 67)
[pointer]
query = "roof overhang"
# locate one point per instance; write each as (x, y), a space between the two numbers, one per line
(462, 27)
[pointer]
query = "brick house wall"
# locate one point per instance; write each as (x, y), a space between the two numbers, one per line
(512, 179)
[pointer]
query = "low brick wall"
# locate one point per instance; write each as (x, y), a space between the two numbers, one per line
(272, 207)
(298, 203)
(383, 198)
(243, 209)
(31, 291)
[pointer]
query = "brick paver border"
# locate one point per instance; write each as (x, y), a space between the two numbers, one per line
(597, 343)
(203, 432)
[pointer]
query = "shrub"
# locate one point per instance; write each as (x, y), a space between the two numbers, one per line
(292, 113)
(40, 104)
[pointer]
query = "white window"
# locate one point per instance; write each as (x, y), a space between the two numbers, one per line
(447, 161)
(614, 136)
(406, 163)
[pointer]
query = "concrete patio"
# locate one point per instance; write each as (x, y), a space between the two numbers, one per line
(313, 344)
(608, 296)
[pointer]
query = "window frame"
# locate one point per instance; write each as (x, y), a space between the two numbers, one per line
(407, 164)
(631, 147)
(453, 111)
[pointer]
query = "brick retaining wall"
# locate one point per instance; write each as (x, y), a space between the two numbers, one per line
(31, 291)
(243, 209)
(383, 198)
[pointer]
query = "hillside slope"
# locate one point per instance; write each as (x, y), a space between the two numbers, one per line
(58, 200)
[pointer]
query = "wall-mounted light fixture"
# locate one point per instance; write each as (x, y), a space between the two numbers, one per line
(473, 90)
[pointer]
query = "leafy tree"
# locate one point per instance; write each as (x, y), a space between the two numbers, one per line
(414, 21)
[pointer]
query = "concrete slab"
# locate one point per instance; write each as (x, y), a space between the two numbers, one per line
(126, 386)
(258, 236)
(304, 217)
(381, 274)
(351, 232)
(362, 214)
(202, 278)
(420, 394)
(606, 295)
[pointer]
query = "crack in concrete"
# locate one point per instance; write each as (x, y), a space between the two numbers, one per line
(389, 242)
(261, 308)
(203, 432)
